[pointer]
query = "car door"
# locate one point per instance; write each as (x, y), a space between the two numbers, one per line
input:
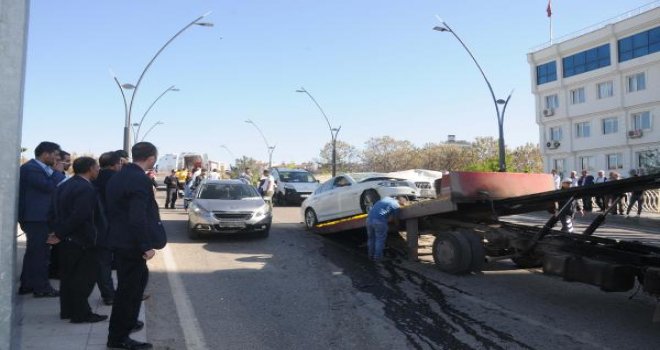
(320, 201)
(343, 192)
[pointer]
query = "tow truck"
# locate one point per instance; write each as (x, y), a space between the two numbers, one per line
(466, 220)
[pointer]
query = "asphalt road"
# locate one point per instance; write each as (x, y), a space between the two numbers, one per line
(297, 290)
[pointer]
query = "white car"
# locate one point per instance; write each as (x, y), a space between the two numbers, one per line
(352, 194)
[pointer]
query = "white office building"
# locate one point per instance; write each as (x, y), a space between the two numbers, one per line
(598, 96)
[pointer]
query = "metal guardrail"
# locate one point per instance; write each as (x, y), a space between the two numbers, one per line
(591, 28)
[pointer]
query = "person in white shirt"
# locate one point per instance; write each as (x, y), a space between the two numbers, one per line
(600, 200)
(214, 175)
(246, 176)
(267, 186)
(556, 178)
(574, 179)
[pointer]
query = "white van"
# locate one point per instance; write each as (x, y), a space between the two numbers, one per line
(293, 185)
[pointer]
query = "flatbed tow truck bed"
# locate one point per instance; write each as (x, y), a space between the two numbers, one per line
(465, 220)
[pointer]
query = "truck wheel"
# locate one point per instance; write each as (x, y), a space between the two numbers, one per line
(368, 199)
(452, 253)
(310, 218)
(528, 261)
(478, 251)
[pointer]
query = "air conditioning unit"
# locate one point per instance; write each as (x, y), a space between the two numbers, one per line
(553, 144)
(634, 134)
(548, 112)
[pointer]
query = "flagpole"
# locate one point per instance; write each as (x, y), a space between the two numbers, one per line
(550, 30)
(549, 11)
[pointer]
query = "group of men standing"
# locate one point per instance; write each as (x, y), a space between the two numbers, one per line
(104, 214)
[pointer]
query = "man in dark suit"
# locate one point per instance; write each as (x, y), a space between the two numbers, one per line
(54, 266)
(110, 163)
(39, 178)
(172, 184)
(76, 221)
(586, 180)
(133, 217)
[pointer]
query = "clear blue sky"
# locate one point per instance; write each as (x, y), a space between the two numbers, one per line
(376, 67)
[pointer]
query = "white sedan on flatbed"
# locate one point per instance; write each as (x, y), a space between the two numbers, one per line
(353, 194)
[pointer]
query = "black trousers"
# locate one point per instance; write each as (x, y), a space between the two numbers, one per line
(104, 281)
(78, 273)
(132, 276)
(171, 198)
(34, 274)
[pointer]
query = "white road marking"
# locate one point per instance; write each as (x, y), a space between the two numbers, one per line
(192, 332)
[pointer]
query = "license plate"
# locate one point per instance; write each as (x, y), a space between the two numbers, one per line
(232, 224)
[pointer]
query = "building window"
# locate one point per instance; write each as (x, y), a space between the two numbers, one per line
(583, 129)
(614, 161)
(546, 73)
(558, 164)
(551, 101)
(555, 133)
(586, 61)
(577, 96)
(636, 82)
(647, 159)
(587, 163)
(640, 44)
(610, 126)
(605, 89)
(641, 121)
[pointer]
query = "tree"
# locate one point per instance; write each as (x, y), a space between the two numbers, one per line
(385, 154)
(247, 162)
(442, 157)
(347, 156)
(649, 161)
(526, 159)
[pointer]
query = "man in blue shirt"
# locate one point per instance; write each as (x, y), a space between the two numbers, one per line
(378, 218)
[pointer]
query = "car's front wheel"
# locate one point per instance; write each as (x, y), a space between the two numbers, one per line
(192, 234)
(368, 199)
(310, 218)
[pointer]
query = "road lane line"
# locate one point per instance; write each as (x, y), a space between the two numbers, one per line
(192, 332)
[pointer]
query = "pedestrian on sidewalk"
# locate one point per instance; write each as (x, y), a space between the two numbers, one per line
(172, 186)
(76, 220)
(616, 200)
(135, 232)
(38, 180)
(110, 163)
(586, 180)
(267, 187)
(600, 200)
(378, 218)
(54, 266)
(556, 178)
(637, 197)
(568, 216)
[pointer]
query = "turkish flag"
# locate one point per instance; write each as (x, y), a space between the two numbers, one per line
(549, 9)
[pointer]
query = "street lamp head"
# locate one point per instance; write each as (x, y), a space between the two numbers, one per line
(128, 86)
(204, 24)
(174, 89)
(441, 29)
(500, 102)
(249, 121)
(160, 123)
(136, 124)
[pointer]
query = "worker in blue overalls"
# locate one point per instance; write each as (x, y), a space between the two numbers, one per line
(378, 218)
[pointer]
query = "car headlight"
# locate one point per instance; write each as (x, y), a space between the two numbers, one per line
(199, 210)
(262, 211)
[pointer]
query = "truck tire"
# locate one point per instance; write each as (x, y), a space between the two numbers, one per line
(478, 251)
(310, 219)
(368, 199)
(452, 252)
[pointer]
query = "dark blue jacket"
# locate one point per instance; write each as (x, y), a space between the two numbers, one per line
(75, 212)
(34, 192)
(132, 211)
(100, 183)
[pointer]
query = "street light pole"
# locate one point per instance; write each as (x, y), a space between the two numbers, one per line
(333, 131)
(171, 88)
(151, 128)
(500, 115)
(269, 148)
(135, 87)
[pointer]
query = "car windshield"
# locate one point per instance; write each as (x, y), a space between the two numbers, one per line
(227, 192)
(296, 176)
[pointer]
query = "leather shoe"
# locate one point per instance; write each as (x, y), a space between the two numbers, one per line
(53, 293)
(24, 290)
(129, 344)
(91, 318)
(139, 325)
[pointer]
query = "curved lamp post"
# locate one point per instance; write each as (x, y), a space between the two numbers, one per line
(333, 131)
(151, 128)
(270, 148)
(497, 102)
(137, 133)
(128, 105)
